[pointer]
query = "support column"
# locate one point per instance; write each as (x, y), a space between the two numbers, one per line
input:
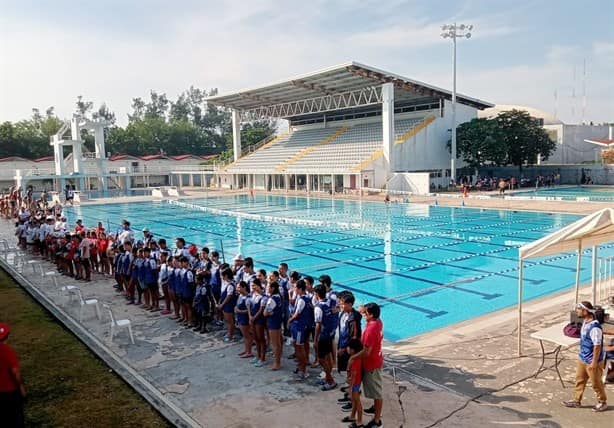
(236, 134)
(308, 184)
(286, 180)
(594, 277)
(77, 154)
(388, 126)
(58, 157)
(332, 184)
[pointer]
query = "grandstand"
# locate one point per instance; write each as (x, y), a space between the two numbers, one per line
(350, 126)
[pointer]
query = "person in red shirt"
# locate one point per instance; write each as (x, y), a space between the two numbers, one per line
(12, 390)
(79, 226)
(354, 381)
(372, 361)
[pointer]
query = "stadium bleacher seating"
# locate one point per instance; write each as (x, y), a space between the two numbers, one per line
(348, 149)
(271, 156)
(295, 153)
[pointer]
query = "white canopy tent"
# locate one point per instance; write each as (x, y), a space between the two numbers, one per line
(590, 231)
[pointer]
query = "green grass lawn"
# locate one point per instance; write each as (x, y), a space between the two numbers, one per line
(67, 385)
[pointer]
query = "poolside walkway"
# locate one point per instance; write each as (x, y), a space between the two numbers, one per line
(489, 200)
(200, 381)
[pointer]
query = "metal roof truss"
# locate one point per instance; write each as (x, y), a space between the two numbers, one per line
(331, 101)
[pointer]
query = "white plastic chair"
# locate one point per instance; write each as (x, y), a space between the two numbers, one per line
(68, 289)
(5, 248)
(125, 323)
(86, 302)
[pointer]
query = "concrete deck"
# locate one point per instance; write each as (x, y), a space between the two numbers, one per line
(465, 375)
(489, 200)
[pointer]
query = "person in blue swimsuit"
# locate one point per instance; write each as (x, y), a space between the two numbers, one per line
(188, 288)
(202, 304)
(327, 322)
(298, 322)
(242, 314)
(273, 313)
(257, 320)
(227, 303)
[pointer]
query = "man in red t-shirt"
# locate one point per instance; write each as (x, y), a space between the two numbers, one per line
(12, 390)
(372, 362)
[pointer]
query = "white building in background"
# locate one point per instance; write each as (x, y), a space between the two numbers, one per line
(571, 145)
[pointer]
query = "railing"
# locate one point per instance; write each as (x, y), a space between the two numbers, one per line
(253, 147)
(605, 279)
(27, 172)
(194, 168)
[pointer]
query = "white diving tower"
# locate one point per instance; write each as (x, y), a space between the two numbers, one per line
(76, 124)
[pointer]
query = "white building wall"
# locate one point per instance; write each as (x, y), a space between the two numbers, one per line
(571, 147)
(427, 150)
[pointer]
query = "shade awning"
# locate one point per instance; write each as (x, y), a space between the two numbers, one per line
(592, 230)
(339, 79)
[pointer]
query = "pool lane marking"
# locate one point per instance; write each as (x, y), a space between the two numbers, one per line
(332, 260)
(410, 269)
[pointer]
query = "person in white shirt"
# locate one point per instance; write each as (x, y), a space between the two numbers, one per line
(84, 255)
(126, 234)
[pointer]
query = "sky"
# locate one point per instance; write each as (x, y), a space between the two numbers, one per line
(521, 52)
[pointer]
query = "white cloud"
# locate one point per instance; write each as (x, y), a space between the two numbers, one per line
(260, 42)
(534, 85)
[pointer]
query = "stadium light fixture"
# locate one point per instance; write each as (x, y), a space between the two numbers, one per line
(454, 31)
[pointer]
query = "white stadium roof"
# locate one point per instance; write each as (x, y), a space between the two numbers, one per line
(342, 86)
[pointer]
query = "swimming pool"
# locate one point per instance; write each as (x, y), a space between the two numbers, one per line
(574, 193)
(429, 266)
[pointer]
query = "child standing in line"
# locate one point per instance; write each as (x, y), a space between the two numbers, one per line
(242, 312)
(201, 304)
(164, 271)
(298, 324)
(137, 276)
(227, 303)
(188, 290)
(272, 312)
(354, 381)
(150, 280)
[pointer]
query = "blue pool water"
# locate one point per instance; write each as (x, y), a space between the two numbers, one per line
(597, 194)
(429, 266)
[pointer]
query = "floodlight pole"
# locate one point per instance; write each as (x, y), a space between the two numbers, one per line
(453, 154)
(454, 31)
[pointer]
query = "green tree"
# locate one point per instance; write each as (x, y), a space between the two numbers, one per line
(138, 110)
(7, 139)
(524, 138)
(511, 138)
(83, 107)
(157, 106)
(478, 143)
(251, 133)
(105, 114)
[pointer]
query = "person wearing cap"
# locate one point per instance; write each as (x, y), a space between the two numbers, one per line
(237, 267)
(12, 389)
(147, 237)
(591, 360)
